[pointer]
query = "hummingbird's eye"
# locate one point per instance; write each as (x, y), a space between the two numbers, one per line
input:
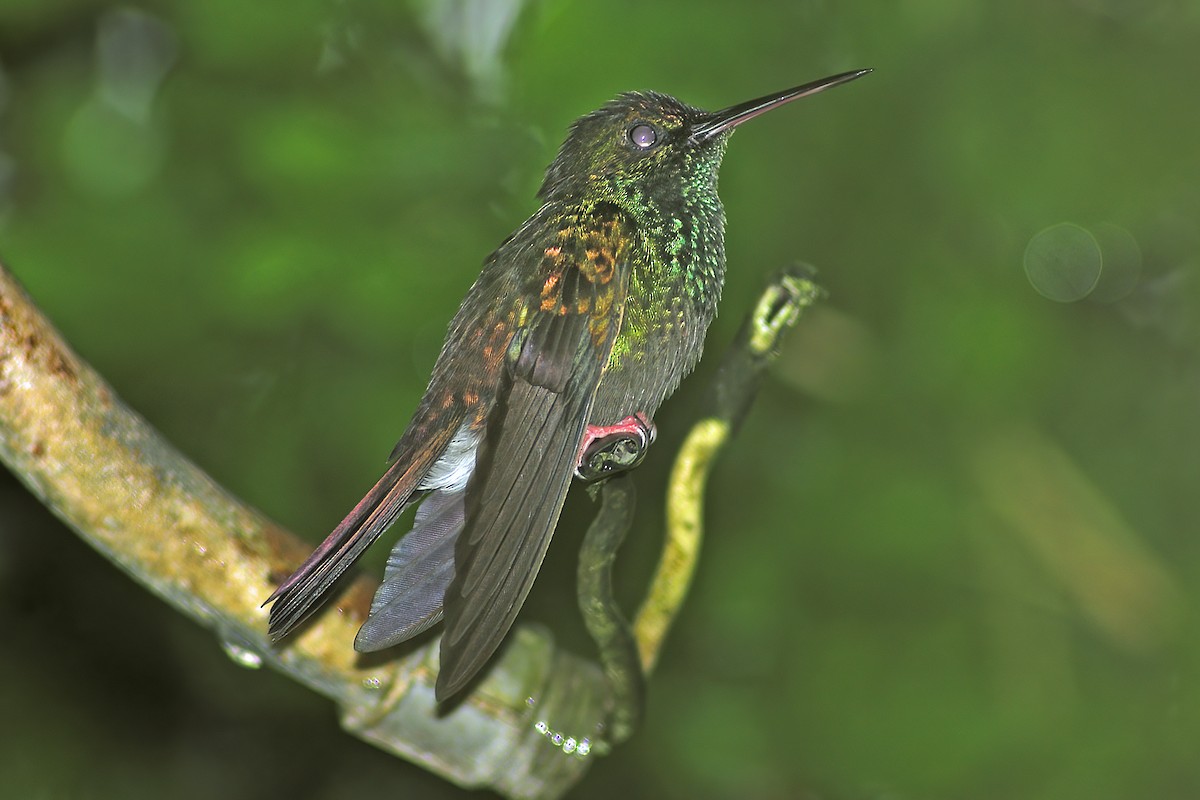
(643, 135)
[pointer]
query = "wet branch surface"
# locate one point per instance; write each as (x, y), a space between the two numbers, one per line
(126, 491)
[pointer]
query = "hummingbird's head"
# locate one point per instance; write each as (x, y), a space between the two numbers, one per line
(640, 138)
(651, 146)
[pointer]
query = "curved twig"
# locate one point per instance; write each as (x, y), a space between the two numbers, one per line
(628, 655)
(729, 397)
(603, 618)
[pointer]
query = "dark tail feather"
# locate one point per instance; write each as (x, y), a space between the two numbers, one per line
(300, 595)
(419, 570)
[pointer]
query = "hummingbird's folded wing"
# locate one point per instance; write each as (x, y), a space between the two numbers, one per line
(531, 440)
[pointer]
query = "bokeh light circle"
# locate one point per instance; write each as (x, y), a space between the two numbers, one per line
(1063, 262)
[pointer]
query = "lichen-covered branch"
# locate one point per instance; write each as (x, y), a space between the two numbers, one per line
(525, 730)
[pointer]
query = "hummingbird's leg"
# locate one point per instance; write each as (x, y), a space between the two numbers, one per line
(610, 449)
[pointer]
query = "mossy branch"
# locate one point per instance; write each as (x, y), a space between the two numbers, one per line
(126, 491)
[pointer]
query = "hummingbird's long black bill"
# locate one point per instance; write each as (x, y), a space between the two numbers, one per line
(727, 119)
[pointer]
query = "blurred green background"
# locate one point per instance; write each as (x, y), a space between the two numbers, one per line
(954, 551)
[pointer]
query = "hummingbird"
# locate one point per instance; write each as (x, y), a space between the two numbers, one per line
(581, 323)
